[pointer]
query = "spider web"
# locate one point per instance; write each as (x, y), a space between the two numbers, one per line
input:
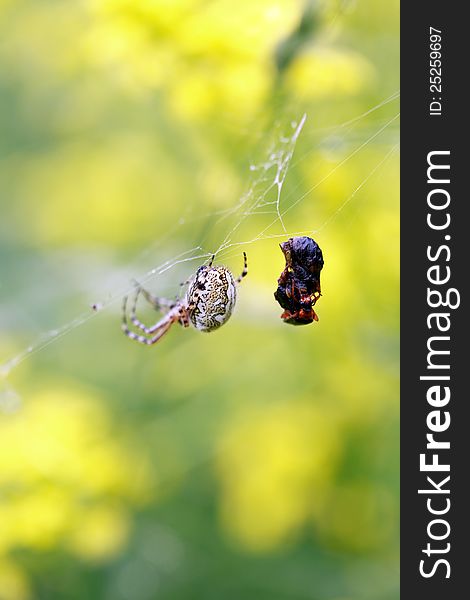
(263, 200)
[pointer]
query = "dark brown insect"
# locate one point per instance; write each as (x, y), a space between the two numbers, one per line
(299, 284)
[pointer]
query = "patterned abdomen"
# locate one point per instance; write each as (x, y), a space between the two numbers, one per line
(212, 297)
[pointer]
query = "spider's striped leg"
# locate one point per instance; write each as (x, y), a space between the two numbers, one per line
(164, 326)
(159, 329)
(135, 321)
(133, 316)
(244, 273)
(157, 303)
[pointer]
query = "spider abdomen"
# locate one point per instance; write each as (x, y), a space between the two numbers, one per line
(211, 298)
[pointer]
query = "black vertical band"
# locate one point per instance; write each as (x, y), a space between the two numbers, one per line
(435, 262)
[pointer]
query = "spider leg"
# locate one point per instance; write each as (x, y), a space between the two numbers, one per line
(159, 329)
(133, 316)
(160, 304)
(211, 261)
(142, 339)
(156, 302)
(244, 273)
(135, 321)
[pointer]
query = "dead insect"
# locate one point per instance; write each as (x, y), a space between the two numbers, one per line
(299, 284)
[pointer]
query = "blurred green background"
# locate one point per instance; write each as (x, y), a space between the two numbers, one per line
(258, 462)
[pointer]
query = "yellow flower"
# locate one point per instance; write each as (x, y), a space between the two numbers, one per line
(321, 72)
(66, 477)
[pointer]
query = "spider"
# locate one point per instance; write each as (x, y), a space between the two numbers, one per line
(207, 304)
(299, 284)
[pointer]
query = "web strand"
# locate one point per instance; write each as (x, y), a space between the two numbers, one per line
(268, 177)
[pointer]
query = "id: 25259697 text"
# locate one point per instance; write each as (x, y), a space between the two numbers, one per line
(435, 71)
